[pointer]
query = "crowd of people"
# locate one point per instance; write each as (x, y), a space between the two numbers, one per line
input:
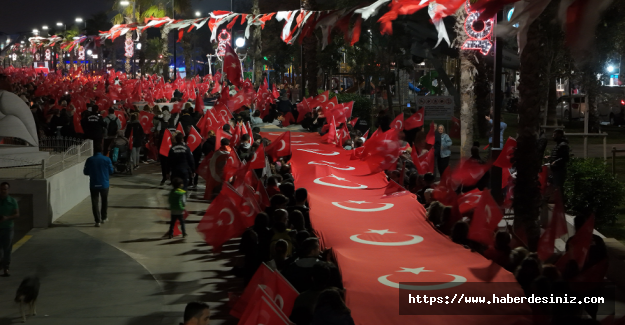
(282, 235)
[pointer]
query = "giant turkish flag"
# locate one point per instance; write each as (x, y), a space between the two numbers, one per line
(380, 241)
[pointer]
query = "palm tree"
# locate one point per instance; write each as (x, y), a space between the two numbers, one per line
(310, 64)
(136, 11)
(528, 159)
(467, 84)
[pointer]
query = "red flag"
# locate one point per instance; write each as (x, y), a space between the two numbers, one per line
(302, 109)
(258, 161)
(424, 162)
(356, 154)
(415, 120)
(145, 118)
(398, 122)
(232, 165)
(263, 311)
(77, 125)
(344, 135)
(130, 139)
(236, 135)
(122, 118)
(275, 286)
(179, 128)
(580, 243)
(288, 119)
(486, 217)
(445, 191)
(469, 173)
(555, 229)
(166, 143)
(395, 190)
(455, 128)
(330, 136)
(431, 138)
(263, 276)
(232, 66)
(280, 147)
(219, 135)
(222, 221)
(199, 103)
(261, 195)
(469, 201)
(505, 157)
(381, 153)
(204, 168)
(353, 121)
(194, 139)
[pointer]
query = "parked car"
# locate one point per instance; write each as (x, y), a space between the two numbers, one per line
(571, 107)
(611, 108)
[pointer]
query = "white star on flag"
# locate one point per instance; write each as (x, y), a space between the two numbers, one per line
(415, 270)
(380, 232)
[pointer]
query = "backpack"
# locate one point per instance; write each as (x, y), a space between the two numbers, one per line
(112, 128)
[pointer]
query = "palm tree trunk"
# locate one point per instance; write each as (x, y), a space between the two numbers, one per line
(528, 160)
(311, 66)
(165, 53)
(128, 36)
(467, 103)
(467, 84)
(257, 46)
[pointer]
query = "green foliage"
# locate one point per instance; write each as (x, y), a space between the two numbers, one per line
(362, 104)
(589, 185)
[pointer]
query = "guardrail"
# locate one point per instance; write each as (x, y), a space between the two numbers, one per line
(614, 152)
(586, 135)
(64, 153)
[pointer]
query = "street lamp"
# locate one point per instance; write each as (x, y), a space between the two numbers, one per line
(240, 42)
(197, 14)
(89, 52)
(610, 68)
(124, 3)
(44, 27)
(36, 32)
(138, 46)
(79, 20)
(61, 24)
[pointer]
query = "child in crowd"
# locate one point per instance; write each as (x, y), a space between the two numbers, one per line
(177, 202)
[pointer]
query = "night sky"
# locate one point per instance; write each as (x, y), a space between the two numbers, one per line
(26, 15)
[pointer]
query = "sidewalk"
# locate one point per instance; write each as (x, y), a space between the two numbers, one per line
(123, 272)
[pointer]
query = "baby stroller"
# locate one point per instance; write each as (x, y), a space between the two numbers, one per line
(120, 155)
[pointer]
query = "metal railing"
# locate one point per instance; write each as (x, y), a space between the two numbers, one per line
(64, 153)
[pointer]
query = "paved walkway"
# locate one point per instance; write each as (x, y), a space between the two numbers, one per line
(123, 272)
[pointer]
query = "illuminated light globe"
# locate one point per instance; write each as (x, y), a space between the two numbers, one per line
(610, 68)
(240, 42)
(478, 30)
(224, 38)
(89, 52)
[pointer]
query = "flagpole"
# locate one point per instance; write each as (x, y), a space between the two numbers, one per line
(496, 176)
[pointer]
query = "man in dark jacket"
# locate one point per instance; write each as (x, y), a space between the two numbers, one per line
(187, 120)
(181, 160)
(98, 167)
(135, 128)
(299, 273)
(93, 126)
(284, 104)
(559, 159)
